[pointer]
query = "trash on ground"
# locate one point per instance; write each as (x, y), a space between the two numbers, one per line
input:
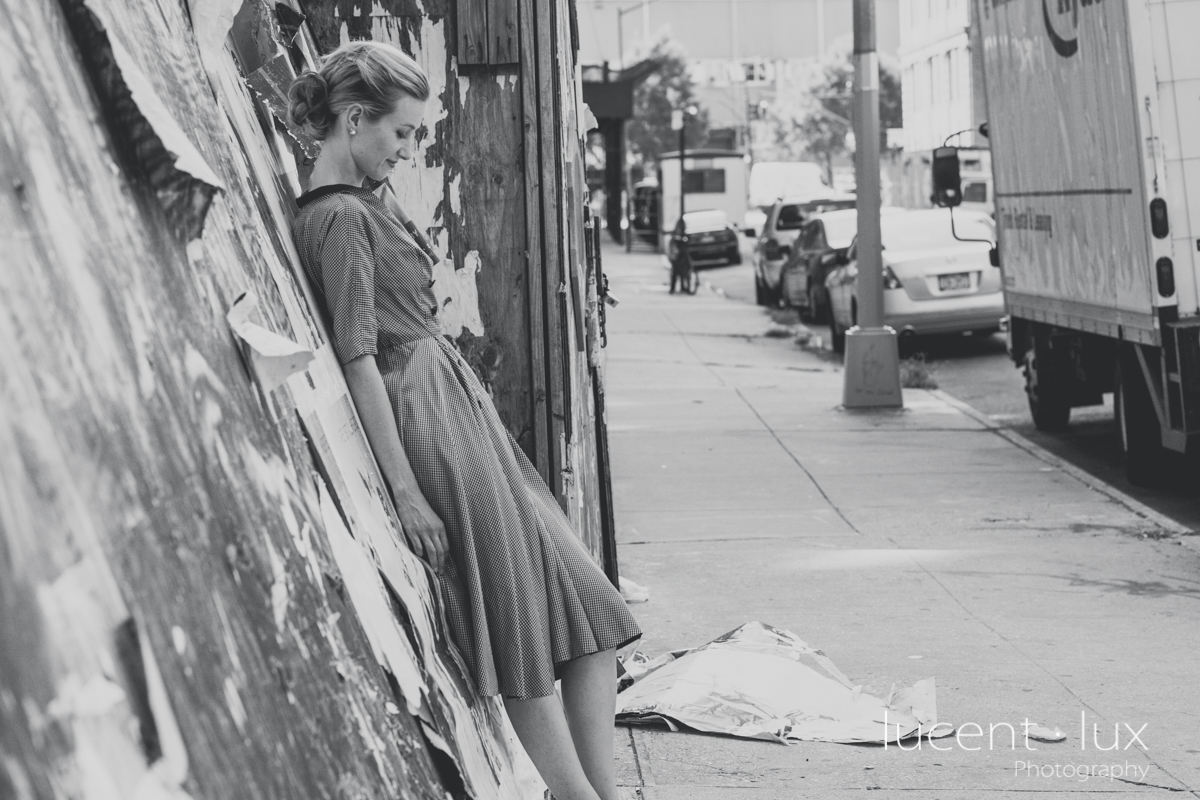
(633, 592)
(753, 683)
(1043, 734)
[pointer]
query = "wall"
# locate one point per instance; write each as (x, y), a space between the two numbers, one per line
(203, 592)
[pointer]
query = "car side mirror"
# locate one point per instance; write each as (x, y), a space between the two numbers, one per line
(947, 182)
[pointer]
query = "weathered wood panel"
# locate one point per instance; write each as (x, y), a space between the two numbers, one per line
(199, 581)
(503, 38)
(472, 26)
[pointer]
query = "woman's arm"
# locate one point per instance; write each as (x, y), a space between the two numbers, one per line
(425, 531)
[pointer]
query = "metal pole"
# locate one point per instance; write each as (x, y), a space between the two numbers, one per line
(621, 37)
(682, 128)
(872, 366)
(866, 165)
(821, 31)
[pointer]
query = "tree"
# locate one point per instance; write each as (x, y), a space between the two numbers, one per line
(817, 123)
(669, 88)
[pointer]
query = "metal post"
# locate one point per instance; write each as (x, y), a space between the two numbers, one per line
(872, 365)
(682, 183)
(621, 12)
(821, 31)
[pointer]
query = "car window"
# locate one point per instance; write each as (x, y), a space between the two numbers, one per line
(975, 192)
(791, 217)
(841, 228)
(818, 238)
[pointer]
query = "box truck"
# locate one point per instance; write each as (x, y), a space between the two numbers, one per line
(1093, 111)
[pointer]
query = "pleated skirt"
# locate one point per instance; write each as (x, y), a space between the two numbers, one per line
(522, 595)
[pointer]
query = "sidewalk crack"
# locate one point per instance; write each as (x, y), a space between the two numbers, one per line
(816, 484)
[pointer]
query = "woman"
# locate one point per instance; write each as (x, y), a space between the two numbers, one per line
(525, 602)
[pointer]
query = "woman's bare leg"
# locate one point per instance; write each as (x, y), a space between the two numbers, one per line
(542, 728)
(589, 690)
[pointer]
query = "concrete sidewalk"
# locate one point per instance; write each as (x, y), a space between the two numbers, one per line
(905, 544)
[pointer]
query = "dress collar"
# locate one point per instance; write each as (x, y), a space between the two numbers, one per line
(333, 188)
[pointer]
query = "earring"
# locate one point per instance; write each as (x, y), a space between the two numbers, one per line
(353, 131)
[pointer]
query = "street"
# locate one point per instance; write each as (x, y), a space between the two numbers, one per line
(979, 373)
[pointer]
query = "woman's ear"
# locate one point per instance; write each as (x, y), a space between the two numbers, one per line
(354, 116)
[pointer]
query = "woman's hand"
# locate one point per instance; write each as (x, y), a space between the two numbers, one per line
(425, 531)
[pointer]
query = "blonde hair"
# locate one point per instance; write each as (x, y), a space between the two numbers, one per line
(373, 75)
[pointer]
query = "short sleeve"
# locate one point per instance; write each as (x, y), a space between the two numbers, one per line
(348, 275)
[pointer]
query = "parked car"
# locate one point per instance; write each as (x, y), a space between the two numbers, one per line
(774, 245)
(932, 282)
(820, 248)
(771, 180)
(709, 237)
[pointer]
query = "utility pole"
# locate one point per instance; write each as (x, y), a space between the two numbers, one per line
(821, 31)
(872, 365)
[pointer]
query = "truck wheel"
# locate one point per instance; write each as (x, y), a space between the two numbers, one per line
(1137, 424)
(1048, 402)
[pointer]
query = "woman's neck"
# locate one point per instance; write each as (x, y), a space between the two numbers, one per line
(335, 166)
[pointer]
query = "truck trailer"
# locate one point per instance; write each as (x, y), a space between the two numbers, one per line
(1094, 124)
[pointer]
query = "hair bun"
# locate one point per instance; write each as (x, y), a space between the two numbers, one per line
(308, 104)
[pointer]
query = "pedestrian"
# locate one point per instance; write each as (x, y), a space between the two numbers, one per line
(682, 271)
(525, 602)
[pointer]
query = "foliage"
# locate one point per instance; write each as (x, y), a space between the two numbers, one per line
(916, 374)
(669, 88)
(816, 123)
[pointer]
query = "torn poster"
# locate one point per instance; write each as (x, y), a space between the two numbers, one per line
(753, 683)
(183, 181)
(274, 357)
(271, 82)
(211, 21)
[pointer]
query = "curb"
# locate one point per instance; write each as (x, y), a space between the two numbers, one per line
(1139, 508)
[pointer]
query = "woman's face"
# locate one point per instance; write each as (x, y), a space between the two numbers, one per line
(378, 145)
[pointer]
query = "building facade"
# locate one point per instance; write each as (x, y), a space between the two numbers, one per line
(942, 97)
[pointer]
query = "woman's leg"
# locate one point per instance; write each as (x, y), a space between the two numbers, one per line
(589, 690)
(543, 731)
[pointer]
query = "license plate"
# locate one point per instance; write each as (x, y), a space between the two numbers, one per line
(706, 237)
(954, 283)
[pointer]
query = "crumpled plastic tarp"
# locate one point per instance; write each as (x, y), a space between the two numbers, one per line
(753, 682)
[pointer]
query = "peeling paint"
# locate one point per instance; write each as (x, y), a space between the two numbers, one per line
(233, 701)
(279, 585)
(363, 584)
(178, 639)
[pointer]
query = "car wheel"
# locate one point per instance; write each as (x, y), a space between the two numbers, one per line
(837, 337)
(772, 297)
(818, 305)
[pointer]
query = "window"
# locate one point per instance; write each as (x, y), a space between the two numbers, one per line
(975, 193)
(704, 181)
(791, 218)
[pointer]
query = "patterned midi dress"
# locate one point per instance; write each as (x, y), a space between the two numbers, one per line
(522, 595)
